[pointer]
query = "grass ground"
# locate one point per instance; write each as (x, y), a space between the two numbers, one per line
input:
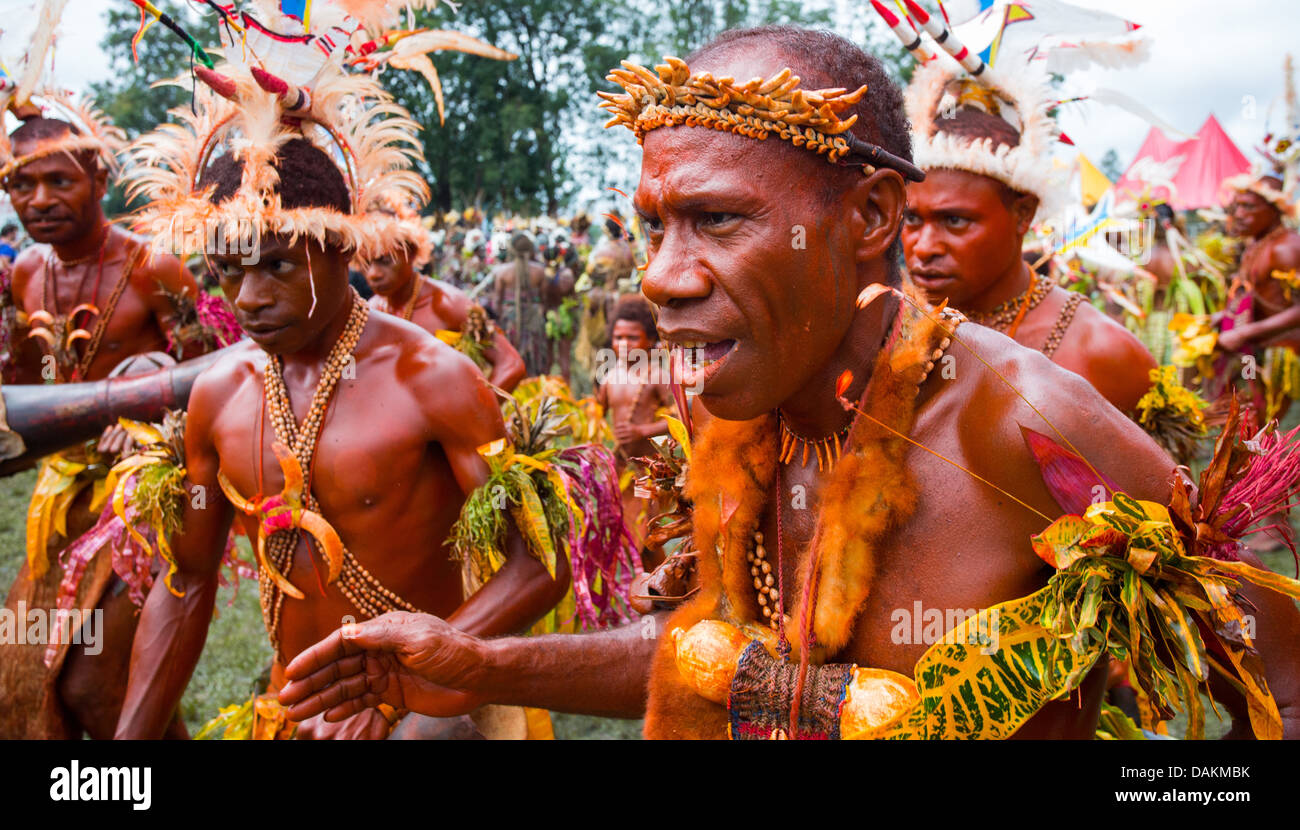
(237, 651)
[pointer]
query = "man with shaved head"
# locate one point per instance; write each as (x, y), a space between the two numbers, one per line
(772, 210)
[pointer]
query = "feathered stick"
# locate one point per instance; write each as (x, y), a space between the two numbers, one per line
(950, 43)
(912, 40)
(197, 50)
(410, 50)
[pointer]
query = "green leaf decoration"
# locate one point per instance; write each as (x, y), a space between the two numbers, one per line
(968, 694)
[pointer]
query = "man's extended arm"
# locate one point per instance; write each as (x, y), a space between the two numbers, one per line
(1284, 257)
(507, 366)
(173, 628)
(419, 662)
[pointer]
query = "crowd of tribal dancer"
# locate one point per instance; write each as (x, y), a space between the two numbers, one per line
(472, 461)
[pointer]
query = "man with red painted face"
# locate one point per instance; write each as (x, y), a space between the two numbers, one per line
(435, 306)
(382, 422)
(1272, 253)
(758, 250)
(964, 227)
(83, 274)
(83, 260)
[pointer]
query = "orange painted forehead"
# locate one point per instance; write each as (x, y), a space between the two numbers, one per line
(949, 189)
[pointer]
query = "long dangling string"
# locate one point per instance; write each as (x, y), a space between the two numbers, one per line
(311, 280)
(951, 332)
(261, 440)
(783, 645)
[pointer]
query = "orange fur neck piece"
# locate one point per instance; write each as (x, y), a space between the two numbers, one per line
(869, 494)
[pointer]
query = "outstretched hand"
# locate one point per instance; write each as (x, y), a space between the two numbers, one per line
(408, 661)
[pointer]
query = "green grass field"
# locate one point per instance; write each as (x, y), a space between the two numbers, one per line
(237, 650)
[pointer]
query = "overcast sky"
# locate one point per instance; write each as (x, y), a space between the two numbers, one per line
(1207, 56)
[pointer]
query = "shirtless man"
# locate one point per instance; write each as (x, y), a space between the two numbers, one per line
(1272, 250)
(84, 259)
(395, 459)
(609, 262)
(781, 326)
(517, 290)
(436, 306)
(562, 262)
(962, 234)
(632, 393)
(81, 259)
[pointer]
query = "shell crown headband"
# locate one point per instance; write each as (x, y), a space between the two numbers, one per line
(758, 108)
(251, 114)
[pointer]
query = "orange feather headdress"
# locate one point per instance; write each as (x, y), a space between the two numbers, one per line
(250, 113)
(92, 131)
(400, 227)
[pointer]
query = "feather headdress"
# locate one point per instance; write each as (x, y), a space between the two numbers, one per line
(399, 227)
(1022, 99)
(91, 131)
(940, 88)
(250, 114)
(21, 92)
(373, 35)
(1252, 182)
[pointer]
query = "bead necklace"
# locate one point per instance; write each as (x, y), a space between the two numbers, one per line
(98, 253)
(361, 589)
(408, 310)
(1063, 321)
(50, 286)
(1002, 317)
(129, 264)
(769, 593)
(770, 589)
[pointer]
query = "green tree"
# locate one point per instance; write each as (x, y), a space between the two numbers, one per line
(524, 135)
(506, 140)
(1110, 165)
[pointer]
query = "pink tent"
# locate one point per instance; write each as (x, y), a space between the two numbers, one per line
(1157, 148)
(1196, 167)
(1211, 158)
